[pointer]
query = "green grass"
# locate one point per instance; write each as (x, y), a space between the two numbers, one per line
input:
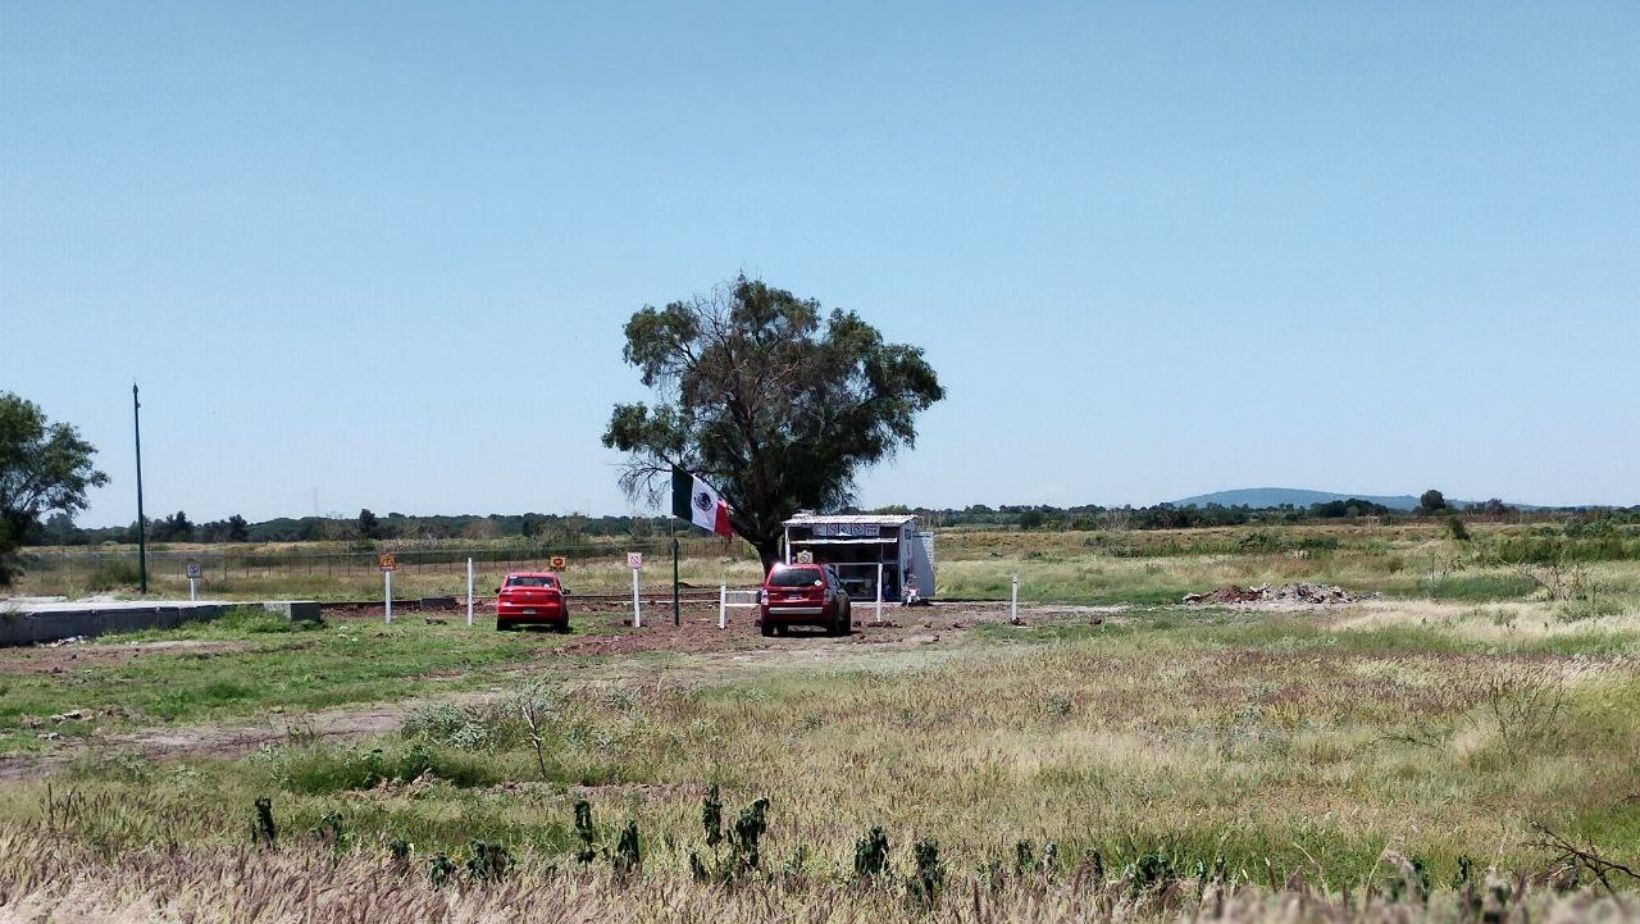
(303, 669)
(1481, 587)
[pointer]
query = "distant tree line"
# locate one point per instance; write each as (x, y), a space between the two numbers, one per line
(365, 527)
(368, 527)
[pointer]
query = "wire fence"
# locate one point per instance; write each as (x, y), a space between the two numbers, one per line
(230, 563)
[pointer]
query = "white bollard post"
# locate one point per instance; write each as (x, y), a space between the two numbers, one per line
(723, 606)
(637, 604)
(388, 577)
(192, 588)
(1013, 603)
(469, 591)
(879, 591)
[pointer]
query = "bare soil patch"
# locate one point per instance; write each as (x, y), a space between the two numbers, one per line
(58, 659)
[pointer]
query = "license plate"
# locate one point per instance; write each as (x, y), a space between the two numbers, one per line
(529, 612)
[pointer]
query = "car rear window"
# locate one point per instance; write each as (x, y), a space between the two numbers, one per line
(794, 577)
(530, 581)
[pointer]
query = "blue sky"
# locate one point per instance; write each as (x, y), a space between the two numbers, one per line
(378, 254)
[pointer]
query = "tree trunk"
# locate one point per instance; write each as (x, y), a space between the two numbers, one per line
(769, 551)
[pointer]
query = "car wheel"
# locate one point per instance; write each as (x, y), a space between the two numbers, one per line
(846, 627)
(766, 627)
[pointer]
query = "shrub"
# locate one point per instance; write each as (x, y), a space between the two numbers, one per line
(1590, 607)
(112, 575)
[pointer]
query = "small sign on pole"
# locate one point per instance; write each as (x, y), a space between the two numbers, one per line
(634, 560)
(559, 562)
(388, 563)
(194, 572)
(879, 592)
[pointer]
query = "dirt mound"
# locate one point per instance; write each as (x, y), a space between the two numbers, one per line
(1301, 594)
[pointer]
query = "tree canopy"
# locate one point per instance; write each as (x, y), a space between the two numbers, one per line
(775, 402)
(369, 526)
(44, 467)
(1431, 501)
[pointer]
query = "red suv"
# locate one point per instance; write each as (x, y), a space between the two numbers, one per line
(531, 598)
(805, 595)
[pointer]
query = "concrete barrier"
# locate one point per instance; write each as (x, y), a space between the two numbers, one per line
(34, 622)
(60, 621)
(295, 610)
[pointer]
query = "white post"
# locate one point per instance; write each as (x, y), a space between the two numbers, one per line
(388, 577)
(637, 604)
(192, 587)
(723, 606)
(879, 591)
(1013, 604)
(469, 591)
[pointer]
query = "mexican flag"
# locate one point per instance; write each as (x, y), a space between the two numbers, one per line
(698, 502)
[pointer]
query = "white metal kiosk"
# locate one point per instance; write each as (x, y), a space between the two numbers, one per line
(862, 546)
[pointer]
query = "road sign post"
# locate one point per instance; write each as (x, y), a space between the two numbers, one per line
(469, 591)
(879, 592)
(634, 560)
(388, 563)
(193, 581)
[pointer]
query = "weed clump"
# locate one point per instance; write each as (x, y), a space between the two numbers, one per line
(871, 854)
(263, 831)
(440, 870)
(489, 862)
(748, 831)
(930, 875)
(585, 832)
(331, 833)
(744, 839)
(628, 851)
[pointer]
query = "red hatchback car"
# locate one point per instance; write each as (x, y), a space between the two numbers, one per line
(805, 595)
(531, 598)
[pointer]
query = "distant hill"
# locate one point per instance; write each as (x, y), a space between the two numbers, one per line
(1275, 497)
(1301, 499)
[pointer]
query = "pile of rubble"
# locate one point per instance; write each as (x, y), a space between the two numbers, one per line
(1301, 593)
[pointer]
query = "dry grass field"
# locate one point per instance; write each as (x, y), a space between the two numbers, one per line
(1461, 747)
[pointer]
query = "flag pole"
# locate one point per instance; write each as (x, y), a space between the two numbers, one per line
(677, 609)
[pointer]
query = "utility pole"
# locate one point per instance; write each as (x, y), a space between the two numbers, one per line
(677, 609)
(142, 525)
